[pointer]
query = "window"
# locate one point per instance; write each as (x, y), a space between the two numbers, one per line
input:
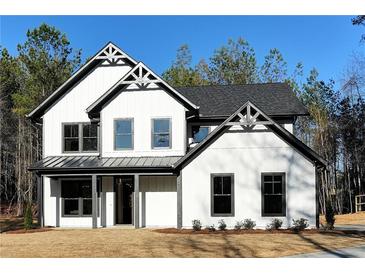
(76, 197)
(80, 137)
(161, 133)
(123, 134)
(199, 133)
(222, 195)
(273, 194)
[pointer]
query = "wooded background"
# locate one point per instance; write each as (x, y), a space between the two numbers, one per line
(335, 128)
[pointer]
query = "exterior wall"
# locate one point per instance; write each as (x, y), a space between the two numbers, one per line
(158, 201)
(142, 106)
(72, 107)
(247, 155)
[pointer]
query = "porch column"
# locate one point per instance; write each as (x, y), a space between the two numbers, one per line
(136, 201)
(94, 197)
(179, 200)
(40, 199)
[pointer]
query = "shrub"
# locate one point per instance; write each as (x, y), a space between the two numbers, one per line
(197, 225)
(300, 224)
(28, 217)
(248, 224)
(330, 216)
(275, 224)
(211, 228)
(222, 225)
(238, 225)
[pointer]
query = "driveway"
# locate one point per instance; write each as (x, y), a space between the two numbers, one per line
(355, 227)
(350, 252)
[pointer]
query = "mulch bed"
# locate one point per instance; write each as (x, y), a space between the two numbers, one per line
(257, 231)
(33, 230)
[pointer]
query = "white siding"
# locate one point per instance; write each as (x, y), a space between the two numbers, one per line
(142, 106)
(247, 155)
(72, 107)
(158, 204)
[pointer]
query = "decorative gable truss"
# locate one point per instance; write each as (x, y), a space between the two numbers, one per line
(113, 56)
(139, 77)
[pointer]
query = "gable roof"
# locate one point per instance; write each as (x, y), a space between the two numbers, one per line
(142, 77)
(248, 116)
(109, 52)
(276, 99)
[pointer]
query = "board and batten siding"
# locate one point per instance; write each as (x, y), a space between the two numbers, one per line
(143, 106)
(72, 107)
(247, 155)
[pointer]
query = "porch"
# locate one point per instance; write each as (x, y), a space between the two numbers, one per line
(93, 195)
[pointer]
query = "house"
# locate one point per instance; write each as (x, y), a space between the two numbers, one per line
(121, 146)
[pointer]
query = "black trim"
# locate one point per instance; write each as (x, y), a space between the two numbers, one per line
(283, 209)
(212, 176)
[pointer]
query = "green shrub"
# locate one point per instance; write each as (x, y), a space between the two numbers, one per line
(222, 225)
(299, 224)
(249, 224)
(330, 216)
(211, 228)
(238, 225)
(197, 225)
(275, 224)
(28, 217)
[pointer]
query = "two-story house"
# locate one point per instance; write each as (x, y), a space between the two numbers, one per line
(121, 146)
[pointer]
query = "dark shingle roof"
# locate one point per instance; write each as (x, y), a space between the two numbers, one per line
(275, 99)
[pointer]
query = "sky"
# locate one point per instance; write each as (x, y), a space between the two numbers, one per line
(323, 42)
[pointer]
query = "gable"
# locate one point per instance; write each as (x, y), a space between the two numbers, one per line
(138, 78)
(249, 118)
(110, 55)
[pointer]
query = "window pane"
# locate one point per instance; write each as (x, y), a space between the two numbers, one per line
(71, 130)
(278, 178)
(217, 185)
(71, 207)
(90, 144)
(161, 125)
(226, 185)
(123, 141)
(278, 188)
(85, 189)
(69, 189)
(161, 140)
(90, 130)
(199, 133)
(273, 204)
(123, 126)
(267, 188)
(72, 144)
(267, 178)
(222, 204)
(86, 207)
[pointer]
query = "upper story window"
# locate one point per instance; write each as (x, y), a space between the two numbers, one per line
(222, 195)
(273, 194)
(199, 133)
(161, 133)
(80, 137)
(123, 134)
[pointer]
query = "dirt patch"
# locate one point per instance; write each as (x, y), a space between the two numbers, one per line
(33, 230)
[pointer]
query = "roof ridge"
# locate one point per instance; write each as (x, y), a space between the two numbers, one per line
(230, 85)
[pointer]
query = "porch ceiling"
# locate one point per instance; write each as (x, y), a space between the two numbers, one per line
(77, 163)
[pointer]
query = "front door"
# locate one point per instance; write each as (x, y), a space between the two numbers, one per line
(124, 187)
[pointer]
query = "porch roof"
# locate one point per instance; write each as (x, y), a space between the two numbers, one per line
(95, 163)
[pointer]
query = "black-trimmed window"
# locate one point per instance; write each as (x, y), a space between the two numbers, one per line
(273, 194)
(200, 133)
(161, 133)
(222, 195)
(80, 137)
(123, 134)
(76, 197)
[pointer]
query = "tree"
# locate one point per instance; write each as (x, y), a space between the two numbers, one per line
(274, 68)
(181, 73)
(359, 21)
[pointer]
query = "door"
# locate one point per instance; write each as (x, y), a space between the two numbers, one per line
(124, 187)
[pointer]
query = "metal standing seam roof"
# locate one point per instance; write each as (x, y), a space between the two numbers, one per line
(95, 162)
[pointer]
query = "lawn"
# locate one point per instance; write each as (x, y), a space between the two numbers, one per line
(149, 243)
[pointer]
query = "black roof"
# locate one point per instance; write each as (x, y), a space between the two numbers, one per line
(275, 99)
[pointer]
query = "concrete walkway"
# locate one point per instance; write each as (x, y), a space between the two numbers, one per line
(350, 227)
(350, 252)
